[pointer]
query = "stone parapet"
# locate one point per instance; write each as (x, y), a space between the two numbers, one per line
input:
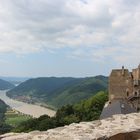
(118, 127)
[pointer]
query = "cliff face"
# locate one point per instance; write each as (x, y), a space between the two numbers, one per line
(118, 127)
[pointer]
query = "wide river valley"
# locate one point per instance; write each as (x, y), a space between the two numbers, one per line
(29, 109)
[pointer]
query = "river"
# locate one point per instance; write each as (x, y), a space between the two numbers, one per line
(29, 109)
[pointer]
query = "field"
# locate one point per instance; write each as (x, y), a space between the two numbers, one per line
(14, 118)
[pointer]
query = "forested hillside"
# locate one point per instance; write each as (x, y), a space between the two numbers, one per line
(59, 91)
(3, 127)
(86, 110)
(5, 85)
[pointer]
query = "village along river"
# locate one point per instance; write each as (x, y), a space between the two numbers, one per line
(29, 109)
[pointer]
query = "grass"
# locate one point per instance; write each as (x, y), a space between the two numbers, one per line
(13, 118)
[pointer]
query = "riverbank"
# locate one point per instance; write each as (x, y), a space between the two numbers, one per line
(29, 109)
(13, 118)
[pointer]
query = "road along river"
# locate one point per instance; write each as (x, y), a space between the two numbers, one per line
(29, 109)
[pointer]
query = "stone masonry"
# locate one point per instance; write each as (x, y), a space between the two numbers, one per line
(125, 85)
(117, 127)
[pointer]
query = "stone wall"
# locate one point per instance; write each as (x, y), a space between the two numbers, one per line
(136, 73)
(126, 136)
(120, 84)
(118, 127)
(125, 85)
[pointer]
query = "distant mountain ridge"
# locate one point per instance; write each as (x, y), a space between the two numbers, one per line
(59, 91)
(4, 85)
(14, 80)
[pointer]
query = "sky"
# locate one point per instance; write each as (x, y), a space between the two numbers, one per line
(70, 38)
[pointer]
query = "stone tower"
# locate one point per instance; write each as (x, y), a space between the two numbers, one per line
(120, 84)
(124, 92)
(125, 85)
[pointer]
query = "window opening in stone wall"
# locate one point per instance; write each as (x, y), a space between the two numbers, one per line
(127, 93)
(136, 93)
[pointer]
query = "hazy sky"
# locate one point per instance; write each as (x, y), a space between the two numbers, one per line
(68, 37)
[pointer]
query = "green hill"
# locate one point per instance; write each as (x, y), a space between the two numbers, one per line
(3, 108)
(5, 85)
(86, 110)
(3, 127)
(59, 91)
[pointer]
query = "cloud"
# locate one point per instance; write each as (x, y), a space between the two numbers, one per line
(103, 28)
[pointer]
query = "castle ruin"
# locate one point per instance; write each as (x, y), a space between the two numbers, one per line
(124, 92)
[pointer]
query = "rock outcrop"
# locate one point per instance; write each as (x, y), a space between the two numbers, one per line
(118, 127)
